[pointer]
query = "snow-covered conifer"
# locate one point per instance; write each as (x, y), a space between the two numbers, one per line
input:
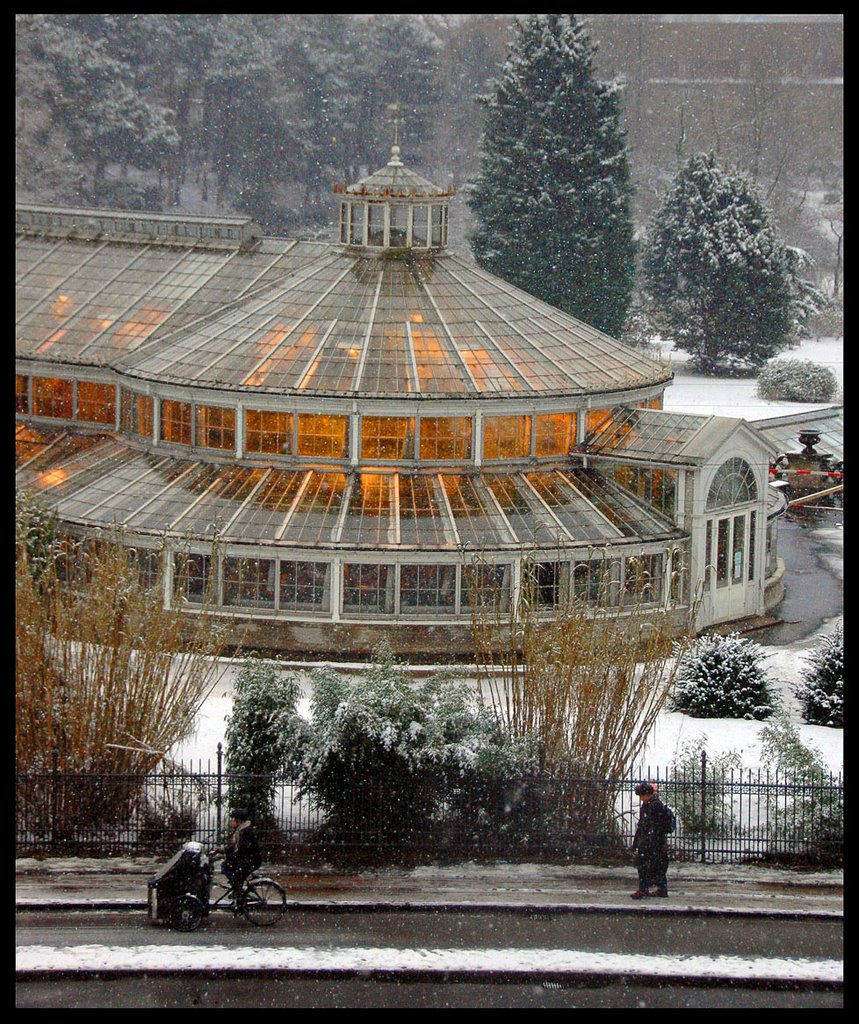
(552, 199)
(724, 287)
(821, 690)
(722, 677)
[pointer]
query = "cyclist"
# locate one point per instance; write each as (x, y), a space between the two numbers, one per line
(242, 852)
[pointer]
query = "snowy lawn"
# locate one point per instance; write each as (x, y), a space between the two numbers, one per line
(735, 396)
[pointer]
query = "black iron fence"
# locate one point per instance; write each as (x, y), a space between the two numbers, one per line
(721, 816)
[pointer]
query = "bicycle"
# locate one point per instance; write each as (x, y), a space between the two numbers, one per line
(186, 883)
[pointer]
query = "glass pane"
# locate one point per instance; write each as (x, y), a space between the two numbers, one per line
(52, 396)
(96, 402)
(22, 393)
(738, 549)
(722, 541)
(376, 224)
(419, 225)
(176, 422)
(356, 224)
(753, 521)
(427, 589)
(387, 437)
(506, 437)
(268, 432)
(368, 589)
(556, 433)
(305, 586)
(486, 586)
(323, 436)
(399, 224)
(445, 437)
(216, 427)
(249, 582)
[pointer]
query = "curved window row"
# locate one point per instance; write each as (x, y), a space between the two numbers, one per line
(417, 590)
(429, 438)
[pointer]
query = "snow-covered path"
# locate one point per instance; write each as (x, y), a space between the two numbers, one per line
(367, 959)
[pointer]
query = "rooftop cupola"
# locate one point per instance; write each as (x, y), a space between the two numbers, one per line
(394, 209)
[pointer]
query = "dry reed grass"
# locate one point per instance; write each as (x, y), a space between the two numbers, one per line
(586, 680)
(107, 677)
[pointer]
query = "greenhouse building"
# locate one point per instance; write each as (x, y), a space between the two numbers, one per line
(332, 442)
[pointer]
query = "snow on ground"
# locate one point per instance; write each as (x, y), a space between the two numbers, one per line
(671, 732)
(511, 961)
(735, 396)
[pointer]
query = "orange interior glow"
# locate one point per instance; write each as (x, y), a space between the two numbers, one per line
(52, 477)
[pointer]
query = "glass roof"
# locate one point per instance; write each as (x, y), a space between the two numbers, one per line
(307, 318)
(99, 480)
(650, 434)
(782, 433)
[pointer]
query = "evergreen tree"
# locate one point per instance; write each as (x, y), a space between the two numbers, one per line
(722, 284)
(552, 199)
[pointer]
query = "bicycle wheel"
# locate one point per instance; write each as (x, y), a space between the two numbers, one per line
(264, 902)
(186, 915)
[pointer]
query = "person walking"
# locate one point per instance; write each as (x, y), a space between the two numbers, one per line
(655, 822)
(242, 852)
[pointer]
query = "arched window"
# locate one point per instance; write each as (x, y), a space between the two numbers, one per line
(733, 484)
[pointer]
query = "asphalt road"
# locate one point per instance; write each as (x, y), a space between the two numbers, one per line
(632, 932)
(505, 980)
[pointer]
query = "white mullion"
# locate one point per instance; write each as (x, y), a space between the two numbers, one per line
(569, 483)
(194, 466)
(244, 504)
(89, 455)
(125, 487)
(544, 355)
(582, 355)
(59, 285)
(510, 364)
(244, 296)
(362, 358)
(337, 532)
(500, 512)
(449, 510)
(42, 451)
(259, 303)
(412, 358)
(544, 504)
(37, 265)
(316, 352)
(450, 337)
(217, 482)
(139, 297)
(270, 355)
(298, 495)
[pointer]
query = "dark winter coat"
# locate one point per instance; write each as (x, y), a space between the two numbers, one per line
(242, 851)
(655, 821)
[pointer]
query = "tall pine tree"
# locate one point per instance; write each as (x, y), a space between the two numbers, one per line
(721, 283)
(552, 200)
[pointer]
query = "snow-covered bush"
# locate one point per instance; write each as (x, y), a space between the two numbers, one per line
(797, 380)
(263, 734)
(821, 689)
(381, 751)
(722, 677)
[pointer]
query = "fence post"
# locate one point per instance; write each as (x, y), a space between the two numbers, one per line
(703, 806)
(219, 797)
(54, 781)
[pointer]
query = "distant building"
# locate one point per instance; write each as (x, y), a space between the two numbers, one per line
(341, 441)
